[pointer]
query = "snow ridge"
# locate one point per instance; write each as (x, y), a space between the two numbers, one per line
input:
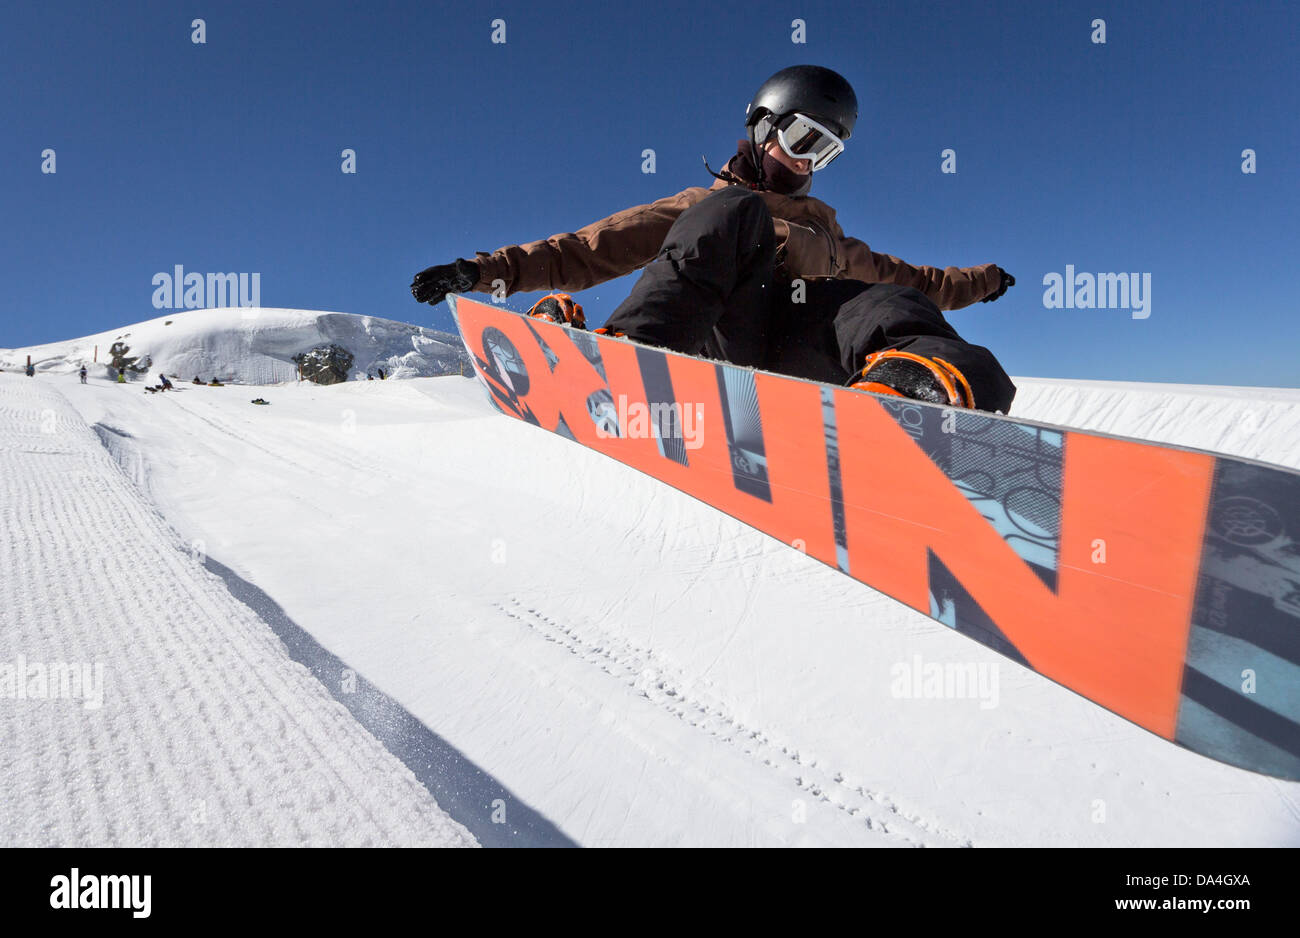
(250, 345)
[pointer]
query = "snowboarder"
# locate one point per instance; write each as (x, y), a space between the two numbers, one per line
(82, 373)
(197, 380)
(756, 272)
(166, 385)
(381, 373)
(31, 370)
(121, 376)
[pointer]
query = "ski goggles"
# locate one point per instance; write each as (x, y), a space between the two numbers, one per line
(804, 139)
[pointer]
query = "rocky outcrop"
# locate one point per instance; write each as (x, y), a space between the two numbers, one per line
(120, 359)
(325, 364)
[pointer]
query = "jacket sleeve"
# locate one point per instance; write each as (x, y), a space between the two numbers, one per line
(603, 250)
(948, 287)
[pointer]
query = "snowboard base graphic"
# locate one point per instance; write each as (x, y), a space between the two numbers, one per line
(1162, 583)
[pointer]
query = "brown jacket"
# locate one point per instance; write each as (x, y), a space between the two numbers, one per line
(810, 244)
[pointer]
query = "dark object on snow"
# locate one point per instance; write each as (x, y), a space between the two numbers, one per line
(214, 383)
(258, 400)
(120, 359)
(381, 373)
(197, 380)
(325, 364)
(31, 371)
(166, 385)
(83, 374)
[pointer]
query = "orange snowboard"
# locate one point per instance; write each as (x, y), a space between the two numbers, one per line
(1159, 582)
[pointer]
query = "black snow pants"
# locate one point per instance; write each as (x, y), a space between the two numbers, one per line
(714, 290)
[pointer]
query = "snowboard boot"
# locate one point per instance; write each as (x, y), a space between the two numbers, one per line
(905, 374)
(559, 307)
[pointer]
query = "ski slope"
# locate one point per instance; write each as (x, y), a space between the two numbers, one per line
(624, 661)
(250, 345)
(190, 725)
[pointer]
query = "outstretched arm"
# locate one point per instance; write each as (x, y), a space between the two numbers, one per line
(603, 250)
(948, 287)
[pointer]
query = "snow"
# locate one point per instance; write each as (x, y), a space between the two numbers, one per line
(629, 664)
(1254, 423)
(190, 725)
(251, 345)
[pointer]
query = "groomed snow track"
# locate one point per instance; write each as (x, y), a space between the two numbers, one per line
(208, 733)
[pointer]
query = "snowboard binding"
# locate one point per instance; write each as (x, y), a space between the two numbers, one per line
(906, 374)
(561, 308)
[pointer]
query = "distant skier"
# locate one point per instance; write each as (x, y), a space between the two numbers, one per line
(197, 380)
(31, 370)
(756, 272)
(82, 373)
(166, 385)
(121, 375)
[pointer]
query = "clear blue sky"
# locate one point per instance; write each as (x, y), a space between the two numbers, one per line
(225, 156)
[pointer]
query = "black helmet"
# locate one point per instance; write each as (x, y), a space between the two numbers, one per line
(813, 90)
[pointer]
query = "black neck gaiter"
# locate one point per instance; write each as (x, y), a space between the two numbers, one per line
(777, 177)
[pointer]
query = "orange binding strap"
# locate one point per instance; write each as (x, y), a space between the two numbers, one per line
(563, 305)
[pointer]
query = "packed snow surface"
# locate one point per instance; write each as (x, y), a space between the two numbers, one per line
(634, 666)
(153, 708)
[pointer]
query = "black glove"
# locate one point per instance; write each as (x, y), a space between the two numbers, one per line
(434, 283)
(1007, 281)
